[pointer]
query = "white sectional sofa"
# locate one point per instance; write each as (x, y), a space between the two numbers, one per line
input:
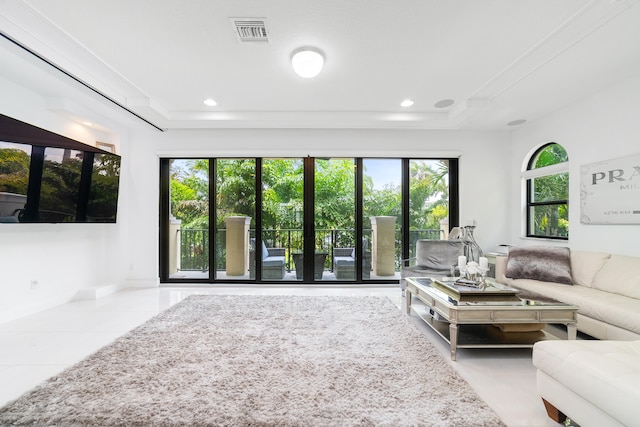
(605, 287)
(594, 383)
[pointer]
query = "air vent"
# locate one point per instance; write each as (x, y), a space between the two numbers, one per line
(251, 29)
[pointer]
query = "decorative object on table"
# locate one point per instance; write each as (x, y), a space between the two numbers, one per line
(475, 272)
(261, 360)
(473, 251)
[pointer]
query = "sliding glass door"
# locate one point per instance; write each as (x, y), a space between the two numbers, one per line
(334, 219)
(282, 219)
(187, 250)
(311, 220)
(235, 218)
(382, 218)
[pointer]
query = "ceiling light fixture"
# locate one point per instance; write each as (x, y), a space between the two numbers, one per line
(307, 62)
(406, 103)
(444, 103)
(210, 102)
(516, 122)
(87, 123)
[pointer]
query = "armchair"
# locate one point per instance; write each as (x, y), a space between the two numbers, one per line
(433, 258)
(344, 262)
(273, 263)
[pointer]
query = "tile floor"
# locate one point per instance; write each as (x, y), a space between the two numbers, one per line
(38, 346)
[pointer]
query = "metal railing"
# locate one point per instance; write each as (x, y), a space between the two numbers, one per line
(194, 244)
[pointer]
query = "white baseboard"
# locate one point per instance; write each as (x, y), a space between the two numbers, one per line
(142, 283)
(33, 307)
(97, 292)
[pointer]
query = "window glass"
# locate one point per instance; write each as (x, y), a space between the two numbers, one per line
(15, 160)
(60, 184)
(103, 196)
(548, 194)
(189, 209)
(551, 187)
(550, 154)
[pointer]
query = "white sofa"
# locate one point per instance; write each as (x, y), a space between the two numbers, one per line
(594, 383)
(606, 288)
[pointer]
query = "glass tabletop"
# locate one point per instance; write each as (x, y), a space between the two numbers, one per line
(490, 293)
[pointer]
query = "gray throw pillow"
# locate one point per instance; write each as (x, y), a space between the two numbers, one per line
(544, 263)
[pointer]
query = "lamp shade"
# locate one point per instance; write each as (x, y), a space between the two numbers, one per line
(307, 62)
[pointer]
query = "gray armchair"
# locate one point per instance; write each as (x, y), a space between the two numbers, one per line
(344, 262)
(273, 263)
(433, 258)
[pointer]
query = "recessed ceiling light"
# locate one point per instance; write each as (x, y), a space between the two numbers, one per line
(444, 103)
(87, 123)
(516, 122)
(406, 103)
(307, 62)
(210, 102)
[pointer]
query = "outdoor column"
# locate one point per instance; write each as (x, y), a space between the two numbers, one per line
(237, 245)
(444, 229)
(174, 245)
(383, 245)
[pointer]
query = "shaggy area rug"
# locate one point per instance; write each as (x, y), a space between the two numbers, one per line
(261, 361)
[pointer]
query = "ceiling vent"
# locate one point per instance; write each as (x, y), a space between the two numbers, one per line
(251, 29)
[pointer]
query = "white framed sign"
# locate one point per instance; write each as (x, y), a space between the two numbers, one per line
(610, 191)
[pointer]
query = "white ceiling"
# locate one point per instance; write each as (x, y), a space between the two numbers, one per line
(500, 60)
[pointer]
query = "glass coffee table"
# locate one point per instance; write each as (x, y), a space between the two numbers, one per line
(487, 316)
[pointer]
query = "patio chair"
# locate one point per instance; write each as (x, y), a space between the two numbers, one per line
(344, 262)
(273, 262)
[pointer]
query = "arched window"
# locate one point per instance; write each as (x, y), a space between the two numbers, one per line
(547, 186)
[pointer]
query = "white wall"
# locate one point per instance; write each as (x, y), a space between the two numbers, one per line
(600, 127)
(64, 259)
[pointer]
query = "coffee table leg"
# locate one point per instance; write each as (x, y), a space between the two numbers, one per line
(407, 301)
(572, 331)
(453, 338)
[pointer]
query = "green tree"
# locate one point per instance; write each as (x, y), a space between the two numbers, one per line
(189, 185)
(429, 194)
(14, 170)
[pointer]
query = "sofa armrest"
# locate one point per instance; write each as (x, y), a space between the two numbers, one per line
(501, 268)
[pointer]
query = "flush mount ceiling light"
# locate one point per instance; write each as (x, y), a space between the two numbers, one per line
(406, 103)
(307, 62)
(210, 102)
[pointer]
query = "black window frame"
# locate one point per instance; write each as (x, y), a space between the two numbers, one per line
(531, 205)
(164, 209)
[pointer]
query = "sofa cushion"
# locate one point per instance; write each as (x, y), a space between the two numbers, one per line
(585, 265)
(604, 373)
(544, 263)
(620, 275)
(273, 261)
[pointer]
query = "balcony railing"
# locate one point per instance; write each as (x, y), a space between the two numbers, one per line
(194, 244)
